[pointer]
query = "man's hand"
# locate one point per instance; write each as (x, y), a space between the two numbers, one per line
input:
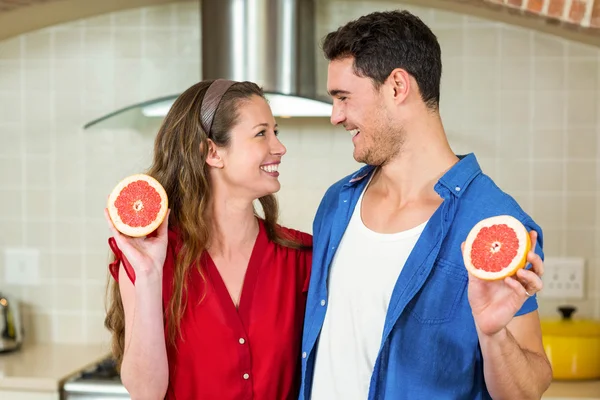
(495, 303)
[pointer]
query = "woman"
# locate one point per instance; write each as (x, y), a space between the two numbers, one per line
(211, 306)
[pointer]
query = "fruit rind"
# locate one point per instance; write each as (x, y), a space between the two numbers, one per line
(116, 219)
(519, 261)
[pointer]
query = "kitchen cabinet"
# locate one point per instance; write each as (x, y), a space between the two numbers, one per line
(24, 395)
(573, 390)
(37, 371)
(570, 398)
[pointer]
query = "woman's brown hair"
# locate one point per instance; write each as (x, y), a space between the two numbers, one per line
(179, 164)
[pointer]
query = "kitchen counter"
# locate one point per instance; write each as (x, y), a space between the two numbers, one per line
(573, 390)
(44, 367)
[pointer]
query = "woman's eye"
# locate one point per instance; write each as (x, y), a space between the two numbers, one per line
(261, 133)
(276, 132)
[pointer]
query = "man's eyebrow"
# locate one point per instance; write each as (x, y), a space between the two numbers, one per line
(337, 92)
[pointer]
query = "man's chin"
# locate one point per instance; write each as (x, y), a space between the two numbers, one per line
(358, 157)
(361, 158)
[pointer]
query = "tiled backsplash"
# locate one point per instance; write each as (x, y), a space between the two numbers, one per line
(527, 104)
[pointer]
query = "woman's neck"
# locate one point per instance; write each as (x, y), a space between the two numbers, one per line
(234, 226)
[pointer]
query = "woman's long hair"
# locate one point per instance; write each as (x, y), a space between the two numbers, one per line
(179, 164)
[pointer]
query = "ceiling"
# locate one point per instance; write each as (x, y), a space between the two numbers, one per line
(10, 5)
(21, 16)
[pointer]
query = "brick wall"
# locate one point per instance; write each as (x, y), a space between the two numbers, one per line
(581, 12)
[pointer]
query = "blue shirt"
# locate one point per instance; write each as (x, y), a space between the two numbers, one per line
(429, 346)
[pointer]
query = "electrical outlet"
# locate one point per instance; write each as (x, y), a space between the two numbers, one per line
(563, 278)
(22, 266)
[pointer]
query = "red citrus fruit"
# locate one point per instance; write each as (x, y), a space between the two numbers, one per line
(137, 205)
(496, 248)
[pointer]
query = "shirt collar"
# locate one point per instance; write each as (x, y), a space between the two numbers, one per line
(359, 175)
(460, 175)
(456, 179)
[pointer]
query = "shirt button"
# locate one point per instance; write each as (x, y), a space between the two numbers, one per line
(457, 188)
(242, 341)
(322, 302)
(246, 376)
(303, 354)
(345, 201)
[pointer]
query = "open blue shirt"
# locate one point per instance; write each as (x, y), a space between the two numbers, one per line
(429, 346)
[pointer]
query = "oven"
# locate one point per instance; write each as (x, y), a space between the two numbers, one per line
(99, 382)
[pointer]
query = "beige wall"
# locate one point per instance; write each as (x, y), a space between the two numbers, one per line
(508, 94)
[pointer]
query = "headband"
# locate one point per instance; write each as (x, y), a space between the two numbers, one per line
(211, 101)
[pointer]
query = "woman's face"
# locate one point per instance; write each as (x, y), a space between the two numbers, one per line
(250, 163)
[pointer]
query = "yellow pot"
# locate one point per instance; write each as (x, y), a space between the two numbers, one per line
(572, 346)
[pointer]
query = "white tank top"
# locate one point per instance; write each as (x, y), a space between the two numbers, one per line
(362, 277)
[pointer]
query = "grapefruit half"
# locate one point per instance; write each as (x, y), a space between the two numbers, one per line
(137, 205)
(496, 247)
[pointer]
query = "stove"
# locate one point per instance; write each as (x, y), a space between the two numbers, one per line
(100, 382)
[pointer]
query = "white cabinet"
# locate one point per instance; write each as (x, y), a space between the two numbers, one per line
(23, 395)
(574, 397)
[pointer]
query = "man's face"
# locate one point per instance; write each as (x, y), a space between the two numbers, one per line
(361, 109)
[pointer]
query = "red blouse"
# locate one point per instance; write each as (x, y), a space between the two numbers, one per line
(249, 352)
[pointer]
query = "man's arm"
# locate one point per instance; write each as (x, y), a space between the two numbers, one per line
(514, 362)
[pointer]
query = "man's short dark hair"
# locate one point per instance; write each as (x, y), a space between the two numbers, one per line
(382, 41)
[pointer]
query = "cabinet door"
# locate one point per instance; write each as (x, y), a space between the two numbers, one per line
(19, 395)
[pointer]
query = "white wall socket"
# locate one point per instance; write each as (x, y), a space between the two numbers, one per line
(563, 278)
(22, 266)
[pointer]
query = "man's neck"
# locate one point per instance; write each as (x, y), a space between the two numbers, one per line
(424, 158)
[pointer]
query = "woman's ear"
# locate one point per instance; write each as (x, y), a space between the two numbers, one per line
(213, 156)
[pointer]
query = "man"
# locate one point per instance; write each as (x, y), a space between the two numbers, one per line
(392, 312)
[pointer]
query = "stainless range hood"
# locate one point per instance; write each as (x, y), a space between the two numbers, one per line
(270, 42)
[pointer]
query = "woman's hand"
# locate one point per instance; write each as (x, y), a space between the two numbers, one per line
(145, 254)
